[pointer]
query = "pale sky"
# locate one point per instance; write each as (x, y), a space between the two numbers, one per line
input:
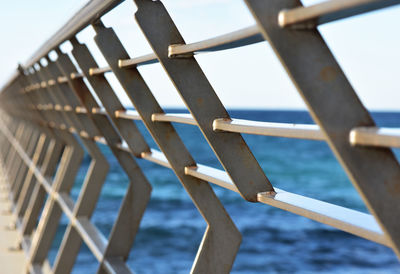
(366, 46)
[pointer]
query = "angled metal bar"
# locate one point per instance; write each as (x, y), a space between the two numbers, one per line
(62, 198)
(201, 100)
(84, 207)
(17, 163)
(138, 192)
(65, 178)
(22, 172)
(127, 129)
(90, 191)
(62, 96)
(14, 127)
(221, 236)
(53, 154)
(48, 223)
(35, 202)
(43, 147)
(95, 176)
(29, 180)
(69, 165)
(12, 155)
(374, 171)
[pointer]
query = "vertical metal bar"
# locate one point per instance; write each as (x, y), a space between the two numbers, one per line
(201, 100)
(374, 171)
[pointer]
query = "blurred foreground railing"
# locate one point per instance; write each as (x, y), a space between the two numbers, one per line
(49, 117)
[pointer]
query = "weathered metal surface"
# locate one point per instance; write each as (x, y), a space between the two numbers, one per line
(325, 89)
(138, 192)
(28, 184)
(201, 100)
(221, 236)
(47, 106)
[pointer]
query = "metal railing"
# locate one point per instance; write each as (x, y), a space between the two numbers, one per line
(46, 107)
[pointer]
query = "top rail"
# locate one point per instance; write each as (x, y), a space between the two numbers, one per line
(46, 111)
(87, 14)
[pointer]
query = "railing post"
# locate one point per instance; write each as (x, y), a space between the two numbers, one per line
(221, 237)
(201, 100)
(138, 193)
(335, 106)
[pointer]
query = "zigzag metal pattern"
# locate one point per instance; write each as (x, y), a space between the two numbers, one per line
(47, 107)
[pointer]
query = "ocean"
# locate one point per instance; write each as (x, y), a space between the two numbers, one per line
(274, 241)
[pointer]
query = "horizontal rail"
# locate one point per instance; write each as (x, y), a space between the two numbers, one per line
(246, 36)
(300, 131)
(211, 175)
(99, 111)
(329, 11)
(71, 108)
(96, 71)
(354, 222)
(243, 37)
(182, 118)
(141, 60)
(375, 136)
(351, 221)
(93, 238)
(128, 114)
(239, 38)
(367, 136)
(157, 157)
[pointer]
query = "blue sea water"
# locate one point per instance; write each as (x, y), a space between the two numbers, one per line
(274, 241)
